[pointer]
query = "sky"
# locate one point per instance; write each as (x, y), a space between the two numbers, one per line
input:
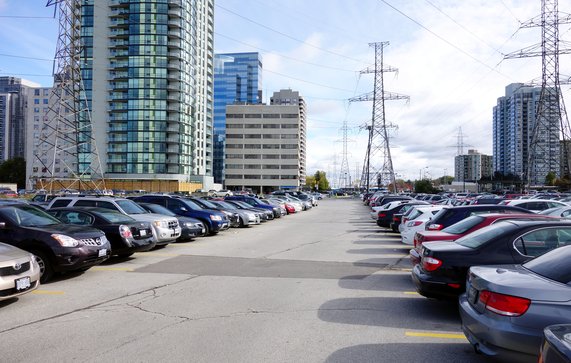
(446, 55)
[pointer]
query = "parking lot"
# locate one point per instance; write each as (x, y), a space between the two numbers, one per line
(322, 285)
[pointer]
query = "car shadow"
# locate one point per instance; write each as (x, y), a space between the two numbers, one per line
(396, 312)
(378, 282)
(8, 302)
(407, 352)
(379, 251)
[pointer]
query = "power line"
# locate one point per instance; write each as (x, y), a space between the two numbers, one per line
(25, 17)
(282, 55)
(288, 36)
(306, 81)
(24, 57)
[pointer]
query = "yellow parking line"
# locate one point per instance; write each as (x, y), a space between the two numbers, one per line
(435, 335)
(410, 293)
(47, 292)
(102, 268)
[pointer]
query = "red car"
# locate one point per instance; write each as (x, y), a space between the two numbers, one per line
(462, 228)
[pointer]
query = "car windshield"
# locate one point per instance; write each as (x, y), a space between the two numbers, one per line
(553, 265)
(28, 216)
(464, 225)
(114, 217)
(484, 235)
(192, 204)
(159, 209)
(130, 207)
(208, 204)
(242, 204)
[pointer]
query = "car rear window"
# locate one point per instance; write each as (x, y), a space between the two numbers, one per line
(464, 225)
(484, 235)
(553, 265)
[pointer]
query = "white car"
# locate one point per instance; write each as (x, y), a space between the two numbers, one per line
(417, 222)
(223, 193)
(535, 205)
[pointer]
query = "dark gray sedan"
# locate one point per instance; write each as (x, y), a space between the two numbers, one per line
(506, 307)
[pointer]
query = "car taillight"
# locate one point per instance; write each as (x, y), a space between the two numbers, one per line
(125, 232)
(382, 215)
(506, 305)
(434, 227)
(396, 219)
(430, 263)
(416, 223)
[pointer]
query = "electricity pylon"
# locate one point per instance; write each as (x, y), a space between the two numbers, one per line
(550, 124)
(379, 128)
(66, 156)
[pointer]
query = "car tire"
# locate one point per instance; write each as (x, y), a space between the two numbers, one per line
(242, 223)
(46, 269)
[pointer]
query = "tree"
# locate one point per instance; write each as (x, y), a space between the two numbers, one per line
(424, 186)
(310, 182)
(550, 178)
(321, 180)
(14, 171)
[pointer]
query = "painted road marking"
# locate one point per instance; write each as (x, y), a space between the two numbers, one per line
(410, 293)
(158, 254)
(436, 335)
(102, 268)
(47, 292)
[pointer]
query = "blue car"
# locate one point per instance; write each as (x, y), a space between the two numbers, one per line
(214, 221)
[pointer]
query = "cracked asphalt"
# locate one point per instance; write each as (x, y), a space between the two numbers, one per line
(326, 285)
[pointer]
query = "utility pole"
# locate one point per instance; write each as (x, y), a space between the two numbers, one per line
(66, 156)
(344, 173)
(378, 141)
(549, 126)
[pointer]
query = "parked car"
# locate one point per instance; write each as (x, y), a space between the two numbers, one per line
(556, 346)
(265, 214)
(417, 221)
(535, 205)
(381, 199)
(506, 308)
(213, 220)
(403, 214)
(222, 193)
(19, 272)
(563, 212)
(232, 216)
(277, 203)
(450, 215)
(165, 229)
(190, 227)
(58, 247)
(245, 217)
(125, 234)
(257, 203)
(442, 270)
(462, 228)
(385, 217)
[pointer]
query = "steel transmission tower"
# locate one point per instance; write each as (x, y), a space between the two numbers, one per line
(378, 142)
(66, 156)
(550, 124)
(344, 172)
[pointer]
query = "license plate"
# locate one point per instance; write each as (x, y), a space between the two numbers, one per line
(103, 252)
(142, 233)
(23, 284)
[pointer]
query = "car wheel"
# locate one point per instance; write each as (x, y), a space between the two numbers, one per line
(206, 229)
(46, 269)
(242, 223)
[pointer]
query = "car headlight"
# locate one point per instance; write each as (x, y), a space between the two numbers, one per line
(161, 224)
(189, 224)
(215, 218)
(65, 241)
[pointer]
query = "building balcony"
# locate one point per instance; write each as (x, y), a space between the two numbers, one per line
(173, 149)
(175, 33)
(175, 24)
(174, 44)
(175, 12)
(118, 75)
(174, 128)
(174, 64)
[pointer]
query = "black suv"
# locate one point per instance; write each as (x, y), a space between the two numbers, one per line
(58, 247)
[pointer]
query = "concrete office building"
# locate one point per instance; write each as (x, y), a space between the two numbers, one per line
(514, 119)
(472, 167)
(266, 144)
(237, 80)
(13, 108)
(148, 76)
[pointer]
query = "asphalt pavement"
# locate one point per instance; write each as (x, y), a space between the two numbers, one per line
(326, 285)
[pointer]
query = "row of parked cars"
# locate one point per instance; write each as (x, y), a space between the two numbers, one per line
(508, 266)
(76, 232)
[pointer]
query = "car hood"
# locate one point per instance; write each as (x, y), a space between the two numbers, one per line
(71, 230)
(8, 253)
(518, 281)
(150, 217)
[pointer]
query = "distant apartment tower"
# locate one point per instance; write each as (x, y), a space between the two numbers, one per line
(13, 108)
(472, 166)
(266, 144)
(148, 76)
(237, 80)
(514, 119)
